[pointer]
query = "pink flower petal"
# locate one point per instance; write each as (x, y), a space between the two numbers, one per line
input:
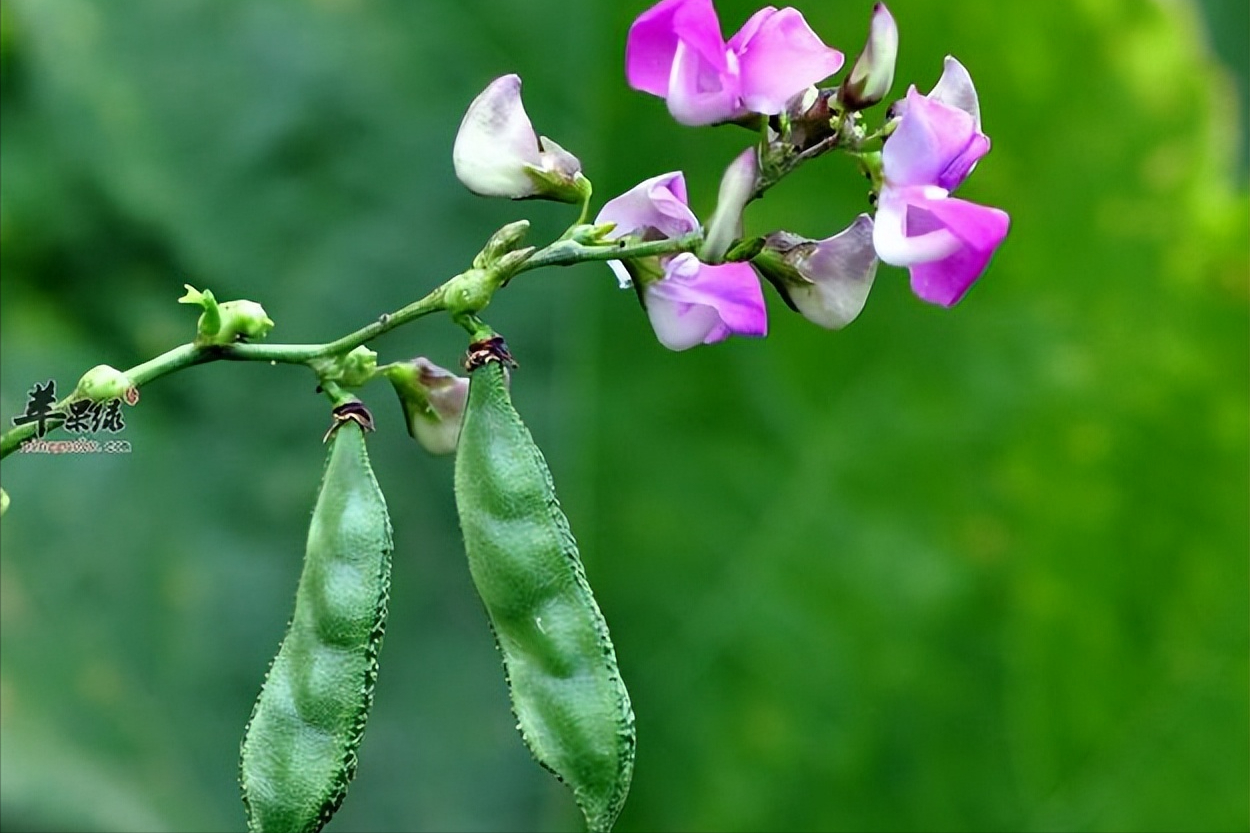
(953, 175)
(658, 203)
(980, 226)
(698, 27)
(929, 139)
(980, 229)
(945, 282)
(738, 42)
(698, 93)
(653, 39)
(679, 325)
(780, 56)
(700, 304)
(841, 269)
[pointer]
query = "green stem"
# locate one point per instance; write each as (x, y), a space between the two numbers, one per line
(168, 362)
(581, 218)
(186, 355)
(569, 252)
(303, 353)
(477, 329)
(560, 253)
(335, 394)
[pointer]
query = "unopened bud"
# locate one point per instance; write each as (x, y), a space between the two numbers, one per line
(501, 243)
(226, 323)
(508, 265)
(351, 370)
(243, 320)
(209, 323)
(591, 234)
(469, 292)
(103, 383)
(736, 186)
(873, 73)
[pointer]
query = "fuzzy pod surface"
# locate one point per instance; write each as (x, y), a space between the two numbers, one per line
(299, 749)
(570, 703)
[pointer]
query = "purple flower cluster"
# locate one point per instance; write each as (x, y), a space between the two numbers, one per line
(764, 77)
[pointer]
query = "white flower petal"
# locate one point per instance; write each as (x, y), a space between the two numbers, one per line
(889, 233)
(955, 88)
(841, 270)
(496, 141)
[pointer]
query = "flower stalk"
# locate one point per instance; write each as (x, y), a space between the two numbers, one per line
(563, 252)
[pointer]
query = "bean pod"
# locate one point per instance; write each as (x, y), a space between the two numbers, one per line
(571, 705)
(299, 748)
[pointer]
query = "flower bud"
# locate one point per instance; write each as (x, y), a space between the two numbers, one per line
(228, 322)
(873, 73)
(433, 400)
(508, 265)
(351, 370)
(103, 383)
(501, 243)
(591, 234)
(498, 154)
(827, 281)
(736, 186)
(243, 320)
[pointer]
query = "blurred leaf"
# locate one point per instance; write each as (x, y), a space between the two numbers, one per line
(43, 767)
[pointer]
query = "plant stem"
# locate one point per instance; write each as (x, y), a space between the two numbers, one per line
(186, 355)
(168, 362)
(569, 252)
(559, 253)
(304, 353)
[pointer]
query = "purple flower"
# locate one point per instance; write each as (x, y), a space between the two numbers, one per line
(688, 302)
(945, 242)
(675, 50)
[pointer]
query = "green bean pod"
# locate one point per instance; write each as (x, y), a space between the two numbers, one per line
(299, 748)
(571, 705)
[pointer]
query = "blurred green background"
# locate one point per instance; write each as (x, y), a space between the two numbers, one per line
(970, 569)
